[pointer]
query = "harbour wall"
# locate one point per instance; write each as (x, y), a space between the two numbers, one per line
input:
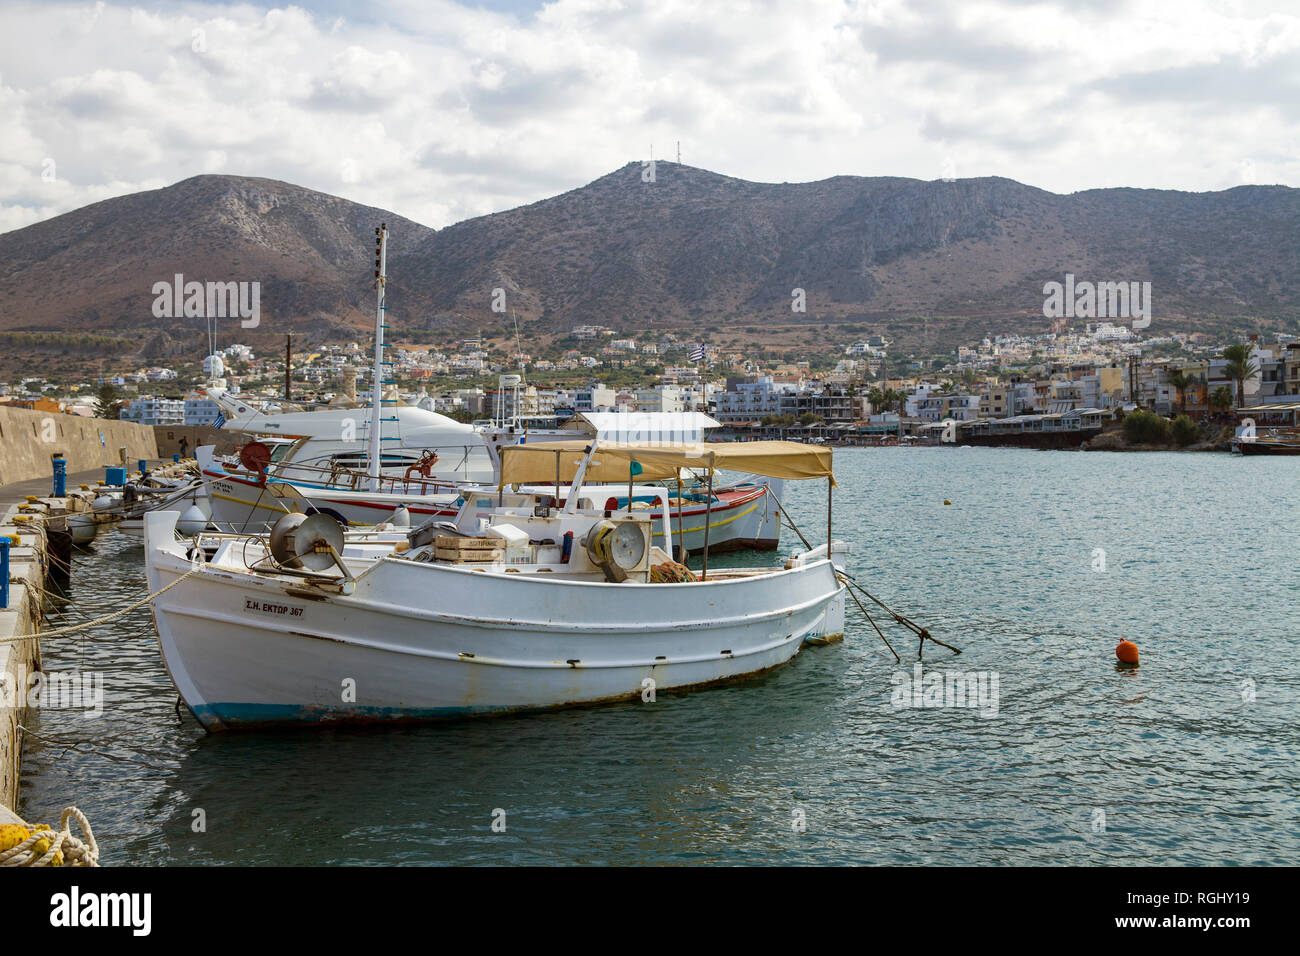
(18, 659)
(40, 561)
(169, 439)
(28, 439)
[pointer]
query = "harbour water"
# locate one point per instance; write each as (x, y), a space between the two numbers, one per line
(1041, 564)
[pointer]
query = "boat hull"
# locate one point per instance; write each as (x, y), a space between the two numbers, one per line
(248, 650)
(1259, 447)
(1054, 439)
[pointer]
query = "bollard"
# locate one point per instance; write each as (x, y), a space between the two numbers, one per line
(4, 571)
(60, 476)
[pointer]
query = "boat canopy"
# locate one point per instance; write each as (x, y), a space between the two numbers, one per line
(542, 462)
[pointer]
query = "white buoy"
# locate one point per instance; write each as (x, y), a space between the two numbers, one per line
(401, 518)
(103, 502)
(82, 528)
(192, 521)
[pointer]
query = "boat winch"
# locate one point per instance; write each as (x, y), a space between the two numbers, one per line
(618, 547)
(307, 542)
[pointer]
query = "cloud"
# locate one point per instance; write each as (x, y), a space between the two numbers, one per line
(443, 110)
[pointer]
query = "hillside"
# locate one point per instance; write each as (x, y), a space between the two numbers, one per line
(692, 249)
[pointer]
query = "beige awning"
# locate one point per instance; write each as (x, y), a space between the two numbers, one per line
(535, 462)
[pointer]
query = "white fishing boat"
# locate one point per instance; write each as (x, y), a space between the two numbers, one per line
(508, 609)
(338, 439)
(741, 514)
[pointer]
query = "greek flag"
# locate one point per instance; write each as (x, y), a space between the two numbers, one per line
(219, 420)
(697, 353)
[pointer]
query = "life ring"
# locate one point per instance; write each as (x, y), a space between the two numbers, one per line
(424, 465)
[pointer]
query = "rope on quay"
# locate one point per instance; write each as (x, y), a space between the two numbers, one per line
(74, 628)
(80, 607)
(40, 846)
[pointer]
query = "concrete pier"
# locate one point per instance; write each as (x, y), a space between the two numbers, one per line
(18, 659)
(42, 553)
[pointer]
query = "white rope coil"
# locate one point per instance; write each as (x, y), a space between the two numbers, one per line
(41, 847)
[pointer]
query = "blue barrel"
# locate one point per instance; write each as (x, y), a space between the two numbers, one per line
(115, 476)
(60, 477)
(142, 466)
(176, 458)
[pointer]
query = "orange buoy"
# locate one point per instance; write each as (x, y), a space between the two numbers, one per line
(1127, 652)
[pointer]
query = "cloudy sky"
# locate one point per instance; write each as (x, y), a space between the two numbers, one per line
(442, 110)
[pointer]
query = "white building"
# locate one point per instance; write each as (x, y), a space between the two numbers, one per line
(155, 411)
(661, 398)
(750, 401)
(201, 411)
(594, 398)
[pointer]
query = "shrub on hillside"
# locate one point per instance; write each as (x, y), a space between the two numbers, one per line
(1185, 431)
(1146, 428)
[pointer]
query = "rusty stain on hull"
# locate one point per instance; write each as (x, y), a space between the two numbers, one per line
(310, 595)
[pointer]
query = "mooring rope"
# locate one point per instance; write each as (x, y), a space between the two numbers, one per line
(847, 580)
(50, 848)
(72, 629)
(911, 625)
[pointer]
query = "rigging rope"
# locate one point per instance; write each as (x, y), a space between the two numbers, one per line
(106, 618)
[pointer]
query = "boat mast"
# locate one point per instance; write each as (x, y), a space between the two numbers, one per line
(377, 396)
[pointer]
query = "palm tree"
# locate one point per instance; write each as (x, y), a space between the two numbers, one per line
(1239, 368)
(1180, 380)
(1222, 398)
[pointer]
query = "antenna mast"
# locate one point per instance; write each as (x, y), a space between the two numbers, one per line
(519, 351)
(377, 397)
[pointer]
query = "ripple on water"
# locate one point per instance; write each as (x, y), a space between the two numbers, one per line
(1200, 572)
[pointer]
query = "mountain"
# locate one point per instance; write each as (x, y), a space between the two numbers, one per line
(682, 248)
(93, 269)
(693, 247)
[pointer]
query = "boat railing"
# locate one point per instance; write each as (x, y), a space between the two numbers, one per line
(336, 476)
